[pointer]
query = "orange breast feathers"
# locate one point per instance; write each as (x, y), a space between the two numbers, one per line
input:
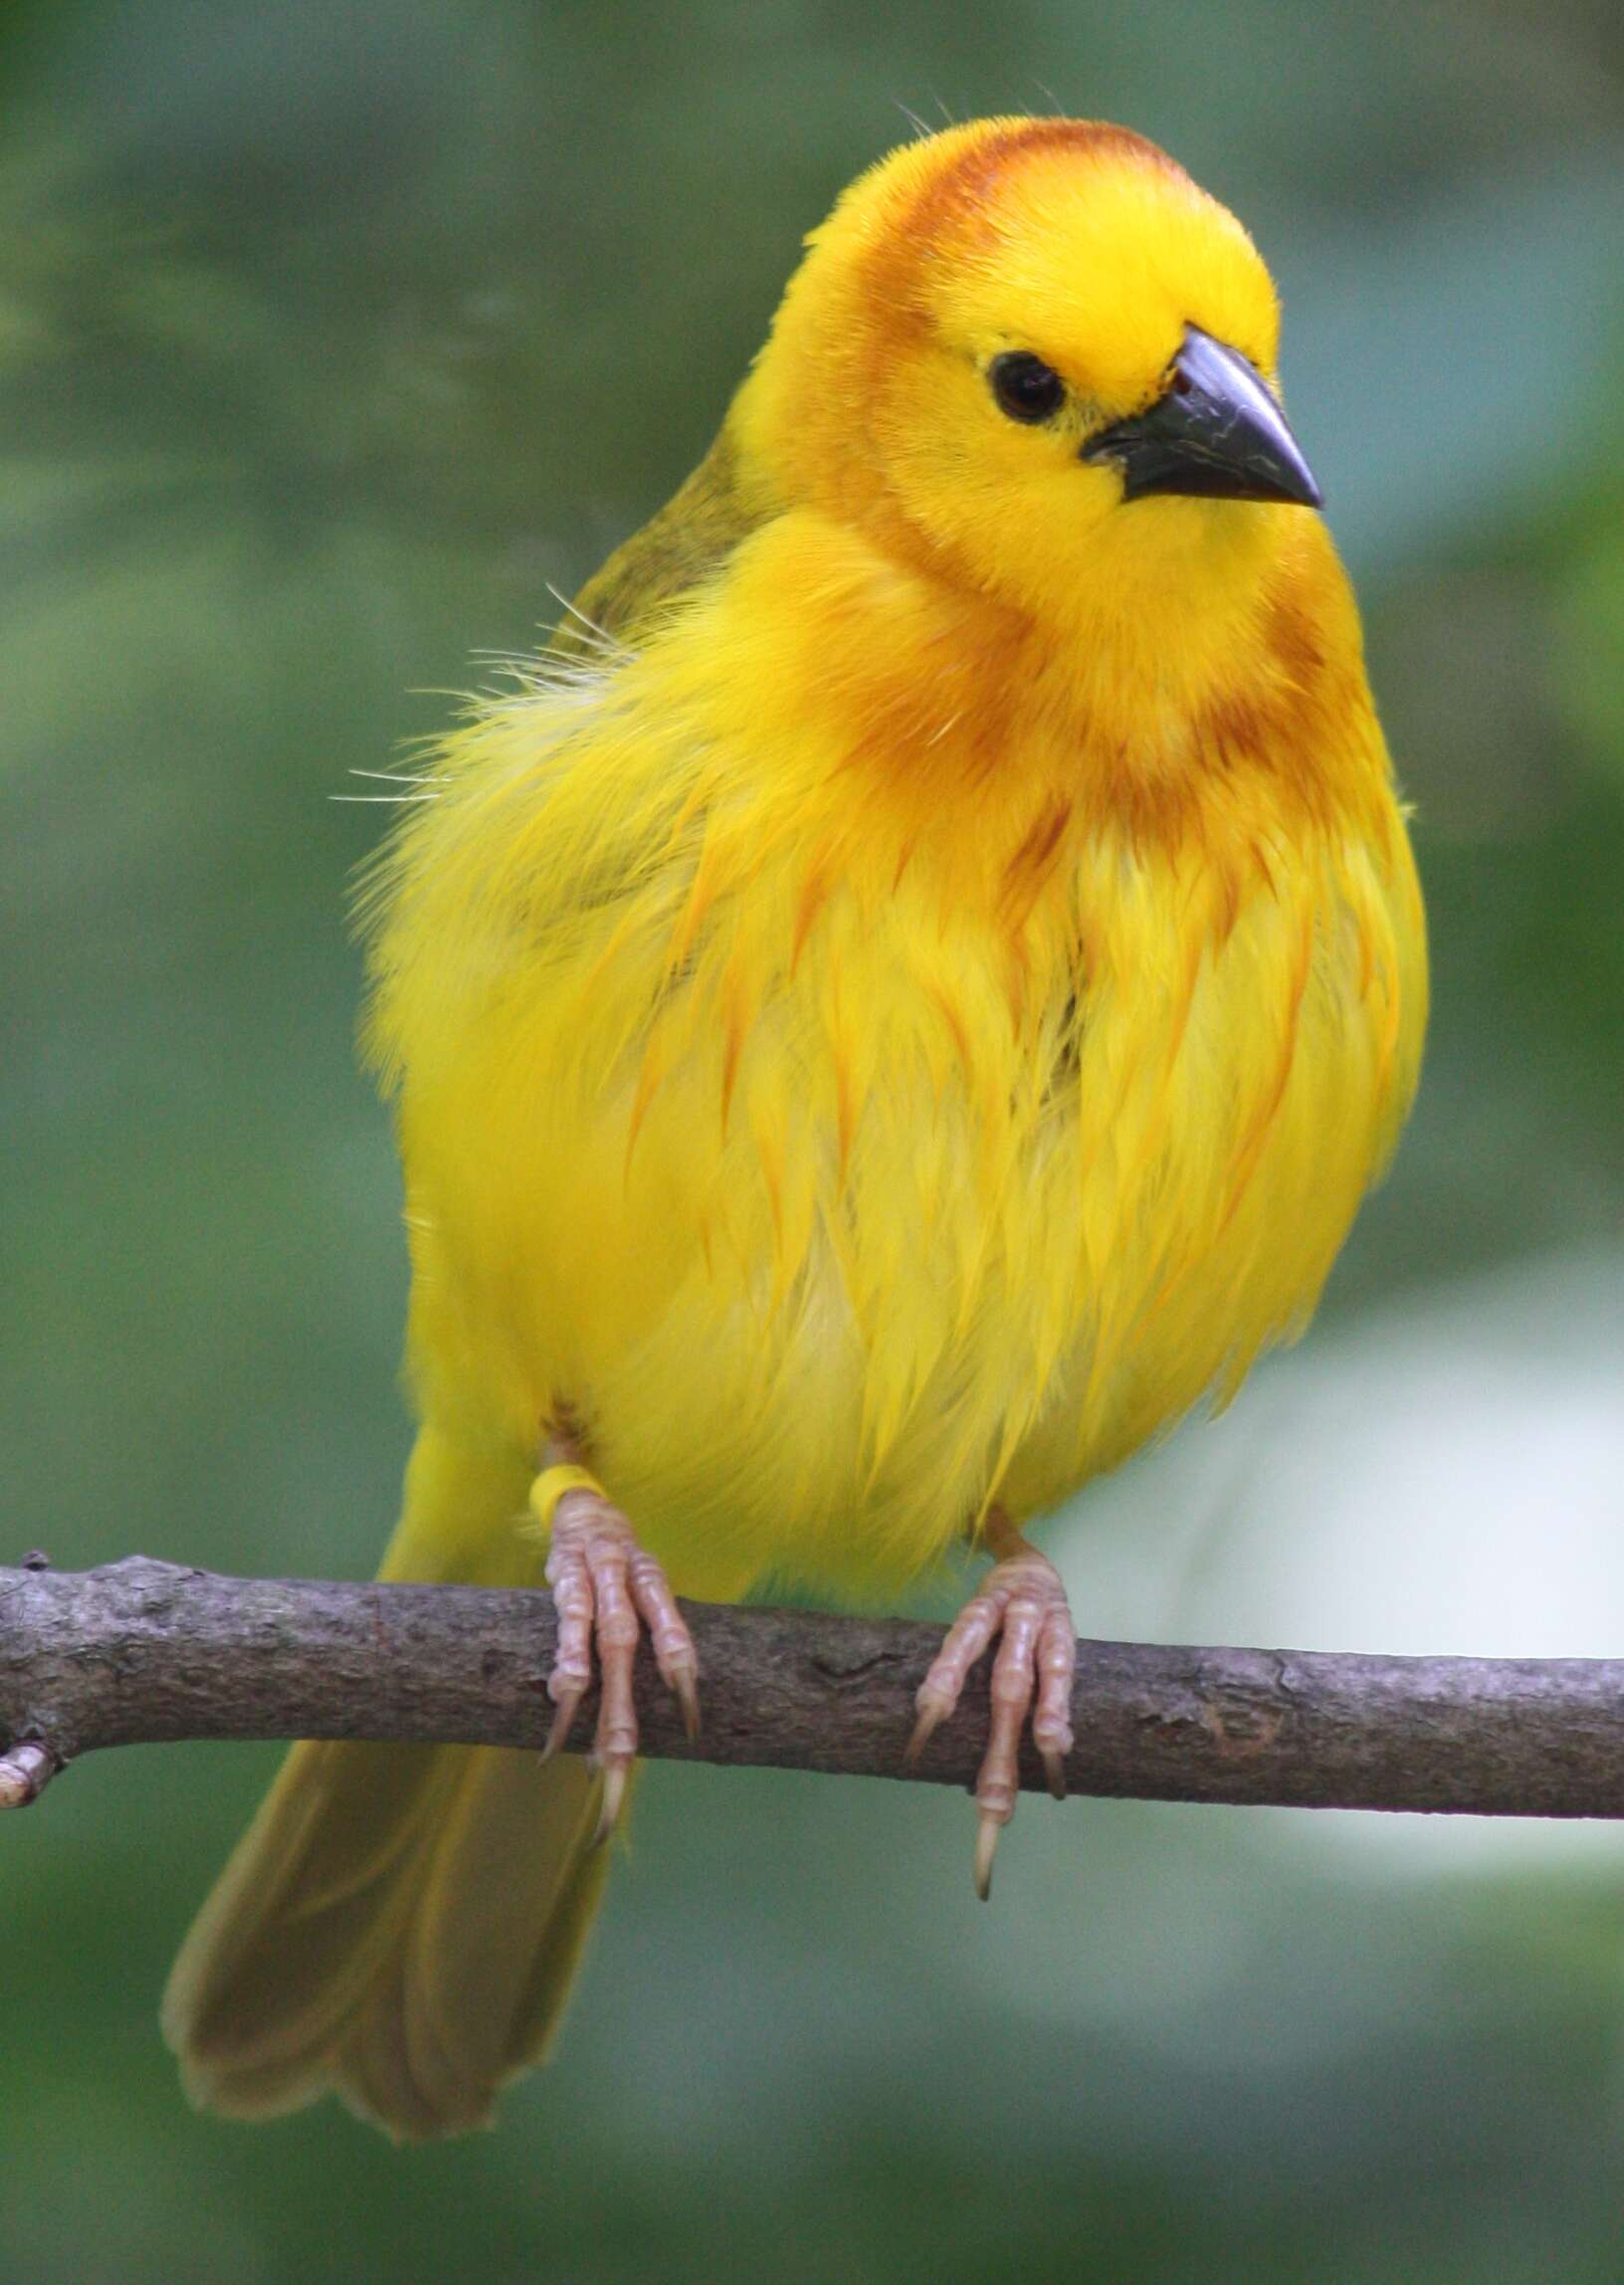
(867, 1086)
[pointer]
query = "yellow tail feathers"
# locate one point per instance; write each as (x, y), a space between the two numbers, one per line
(400, 1923)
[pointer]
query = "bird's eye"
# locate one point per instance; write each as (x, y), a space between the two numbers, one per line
(1025, 387)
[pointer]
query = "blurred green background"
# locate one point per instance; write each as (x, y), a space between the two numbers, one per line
(330, 333)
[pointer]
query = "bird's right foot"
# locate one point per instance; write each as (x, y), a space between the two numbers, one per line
(606, 1587)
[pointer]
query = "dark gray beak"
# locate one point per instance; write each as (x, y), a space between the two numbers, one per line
(1217, 432)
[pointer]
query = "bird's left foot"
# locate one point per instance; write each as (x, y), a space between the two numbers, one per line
(1022, 1601)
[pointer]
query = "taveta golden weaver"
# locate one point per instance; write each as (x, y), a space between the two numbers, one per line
(899, 1003)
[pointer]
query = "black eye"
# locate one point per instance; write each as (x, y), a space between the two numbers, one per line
(1025, 387)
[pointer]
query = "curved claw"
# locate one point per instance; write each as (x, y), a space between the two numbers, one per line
(615, 1779)
(988, 1828)
(685, 1687)
(932, 1713)
(563, 1720)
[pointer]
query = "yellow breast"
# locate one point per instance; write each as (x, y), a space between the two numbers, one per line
(819, 1079)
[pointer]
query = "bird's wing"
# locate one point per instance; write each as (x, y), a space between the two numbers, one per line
(679, 548)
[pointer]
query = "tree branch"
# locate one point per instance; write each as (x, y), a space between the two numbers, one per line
(140, 1652)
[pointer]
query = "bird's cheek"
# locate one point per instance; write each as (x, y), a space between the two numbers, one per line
(1096, 492)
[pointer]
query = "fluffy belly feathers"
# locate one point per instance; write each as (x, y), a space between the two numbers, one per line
(831, 1217)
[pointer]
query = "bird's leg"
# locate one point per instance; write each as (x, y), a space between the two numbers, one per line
(1021, 1601)
(605, 1588)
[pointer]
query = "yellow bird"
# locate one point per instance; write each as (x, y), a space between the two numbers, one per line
(896, 1007)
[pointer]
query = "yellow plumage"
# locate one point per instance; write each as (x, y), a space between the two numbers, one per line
(885, 1020)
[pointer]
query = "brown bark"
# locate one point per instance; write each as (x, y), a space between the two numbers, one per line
(139, 1652)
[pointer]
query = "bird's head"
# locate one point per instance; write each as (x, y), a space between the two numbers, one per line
(1032, 358)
